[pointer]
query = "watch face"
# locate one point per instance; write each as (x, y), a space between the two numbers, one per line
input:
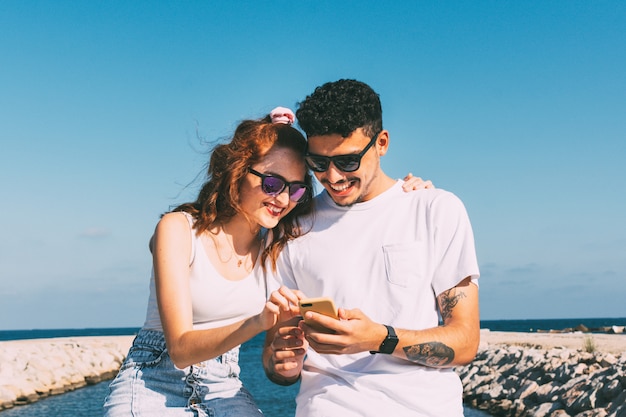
(390, 342)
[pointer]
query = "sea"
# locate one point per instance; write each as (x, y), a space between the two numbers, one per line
(274, 400)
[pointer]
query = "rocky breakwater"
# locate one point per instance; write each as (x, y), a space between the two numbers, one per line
(37, 368)
(524, 375)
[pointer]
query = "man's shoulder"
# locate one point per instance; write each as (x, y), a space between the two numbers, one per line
(431, 194)
(436, 200)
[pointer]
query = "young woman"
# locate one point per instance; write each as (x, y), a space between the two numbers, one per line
(208, 291)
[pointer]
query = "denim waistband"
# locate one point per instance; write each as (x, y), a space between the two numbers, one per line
(153, 338)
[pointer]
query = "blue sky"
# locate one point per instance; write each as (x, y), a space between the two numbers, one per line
(516, 107)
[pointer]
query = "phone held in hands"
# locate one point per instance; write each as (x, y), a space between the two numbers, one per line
(321, 305)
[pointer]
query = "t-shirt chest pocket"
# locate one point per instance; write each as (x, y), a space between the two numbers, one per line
(405, 263)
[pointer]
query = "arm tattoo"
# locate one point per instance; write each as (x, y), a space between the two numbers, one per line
(447, 301)
(434, 353)
(430, 354)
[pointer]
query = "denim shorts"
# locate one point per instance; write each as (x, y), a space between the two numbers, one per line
(148, 384)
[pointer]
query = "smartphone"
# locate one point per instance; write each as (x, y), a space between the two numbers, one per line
(322, 305)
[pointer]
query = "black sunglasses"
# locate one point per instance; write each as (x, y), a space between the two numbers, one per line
(273, 185)
(346, 163)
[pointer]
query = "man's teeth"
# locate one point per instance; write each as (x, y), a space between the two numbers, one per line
(340, 187)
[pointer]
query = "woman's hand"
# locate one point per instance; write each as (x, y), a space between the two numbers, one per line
(412, 183)
(281, 307)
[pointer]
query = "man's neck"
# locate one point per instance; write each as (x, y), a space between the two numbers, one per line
(382, 184)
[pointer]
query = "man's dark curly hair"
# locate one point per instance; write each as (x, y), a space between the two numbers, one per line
(341, 107)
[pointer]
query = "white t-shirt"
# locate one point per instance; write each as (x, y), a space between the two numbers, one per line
(390, 257)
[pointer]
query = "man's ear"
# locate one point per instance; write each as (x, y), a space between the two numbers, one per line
(382, 143)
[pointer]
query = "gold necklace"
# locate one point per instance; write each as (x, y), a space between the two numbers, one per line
(232, 247)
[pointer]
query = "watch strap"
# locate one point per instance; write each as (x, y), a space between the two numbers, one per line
(389, 343)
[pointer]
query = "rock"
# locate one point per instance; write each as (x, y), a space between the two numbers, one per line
(33, 369)
(608, 360)
(582, 328)
(528, 388)
(617, 329)
(523, 379)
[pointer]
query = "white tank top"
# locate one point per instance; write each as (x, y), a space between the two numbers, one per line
(216, 301)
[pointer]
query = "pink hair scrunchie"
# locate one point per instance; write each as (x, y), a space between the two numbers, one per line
(282, 115)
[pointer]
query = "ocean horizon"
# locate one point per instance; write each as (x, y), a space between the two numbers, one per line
(512, 325)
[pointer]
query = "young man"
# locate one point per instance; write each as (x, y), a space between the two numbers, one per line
(402, 267)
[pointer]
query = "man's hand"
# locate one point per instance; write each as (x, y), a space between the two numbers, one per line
(285, 351)
(354, 332)
(285, 346)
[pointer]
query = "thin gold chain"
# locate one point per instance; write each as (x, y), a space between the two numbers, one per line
(232, 247)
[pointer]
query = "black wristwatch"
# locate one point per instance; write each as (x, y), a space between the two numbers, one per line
(390, 342)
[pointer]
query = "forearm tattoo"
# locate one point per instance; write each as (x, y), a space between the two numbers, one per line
(447, 301)
(430, 354)
(436, 353)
